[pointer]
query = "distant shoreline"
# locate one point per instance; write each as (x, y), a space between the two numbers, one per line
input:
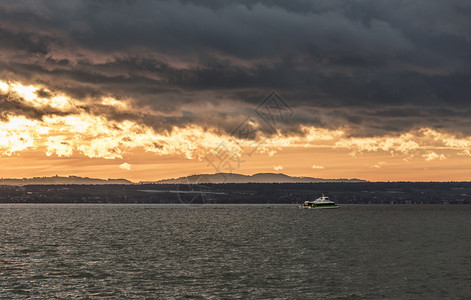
(243, 193)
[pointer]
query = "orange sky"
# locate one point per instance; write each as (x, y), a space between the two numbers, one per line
(80, 143)
(327, 163)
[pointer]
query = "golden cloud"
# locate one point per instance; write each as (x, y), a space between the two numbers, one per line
(81, 133)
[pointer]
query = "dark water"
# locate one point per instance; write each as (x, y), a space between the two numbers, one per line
(160, 251)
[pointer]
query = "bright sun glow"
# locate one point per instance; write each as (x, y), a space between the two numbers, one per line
(4, 87)
(26, 92)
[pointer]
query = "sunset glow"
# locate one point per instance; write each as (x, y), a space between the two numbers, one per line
(74, 132)
(146, 100)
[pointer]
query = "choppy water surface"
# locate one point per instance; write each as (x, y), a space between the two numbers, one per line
(235, 251)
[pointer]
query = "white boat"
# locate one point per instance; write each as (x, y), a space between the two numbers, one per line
(320, 203)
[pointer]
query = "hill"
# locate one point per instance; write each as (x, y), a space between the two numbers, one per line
(61, 180)
(256, 178)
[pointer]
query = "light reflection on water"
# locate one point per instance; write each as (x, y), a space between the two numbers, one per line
(235, 251)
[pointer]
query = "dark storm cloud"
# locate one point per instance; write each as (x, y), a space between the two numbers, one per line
(374, 66)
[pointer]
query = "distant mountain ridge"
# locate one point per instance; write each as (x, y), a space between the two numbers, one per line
(61, 180)
(255, 178)
(192, 179)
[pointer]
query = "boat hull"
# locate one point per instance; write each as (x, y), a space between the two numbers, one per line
(321, 207)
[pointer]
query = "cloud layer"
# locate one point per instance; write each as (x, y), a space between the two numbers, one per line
(374, 67)
(64, 127)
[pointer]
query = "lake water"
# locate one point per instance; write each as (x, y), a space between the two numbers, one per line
(235, 251)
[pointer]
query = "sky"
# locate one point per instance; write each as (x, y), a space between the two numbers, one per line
(147, 90)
